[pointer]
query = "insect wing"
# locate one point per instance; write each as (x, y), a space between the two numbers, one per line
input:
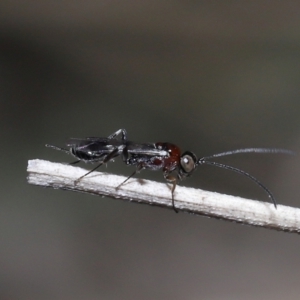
(146, 149)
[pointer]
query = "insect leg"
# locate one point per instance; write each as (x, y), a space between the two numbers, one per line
(138, 169)
(75, 162)
(124, 134)
(110, 156)
(125, 155)
(173, 180)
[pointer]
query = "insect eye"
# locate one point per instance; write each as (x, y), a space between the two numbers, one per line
(187, 163)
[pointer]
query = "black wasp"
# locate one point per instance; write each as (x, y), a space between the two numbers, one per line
(154, 156)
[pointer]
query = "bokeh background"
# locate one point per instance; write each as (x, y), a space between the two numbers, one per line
(209, 76)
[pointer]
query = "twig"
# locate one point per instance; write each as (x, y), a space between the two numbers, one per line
(226, 207)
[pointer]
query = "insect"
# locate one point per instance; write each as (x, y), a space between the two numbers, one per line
(154, 156)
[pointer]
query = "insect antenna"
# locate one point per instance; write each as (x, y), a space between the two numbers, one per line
(239, 171)
(251, 150)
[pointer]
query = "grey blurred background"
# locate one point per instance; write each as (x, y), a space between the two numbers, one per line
(208, 76)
